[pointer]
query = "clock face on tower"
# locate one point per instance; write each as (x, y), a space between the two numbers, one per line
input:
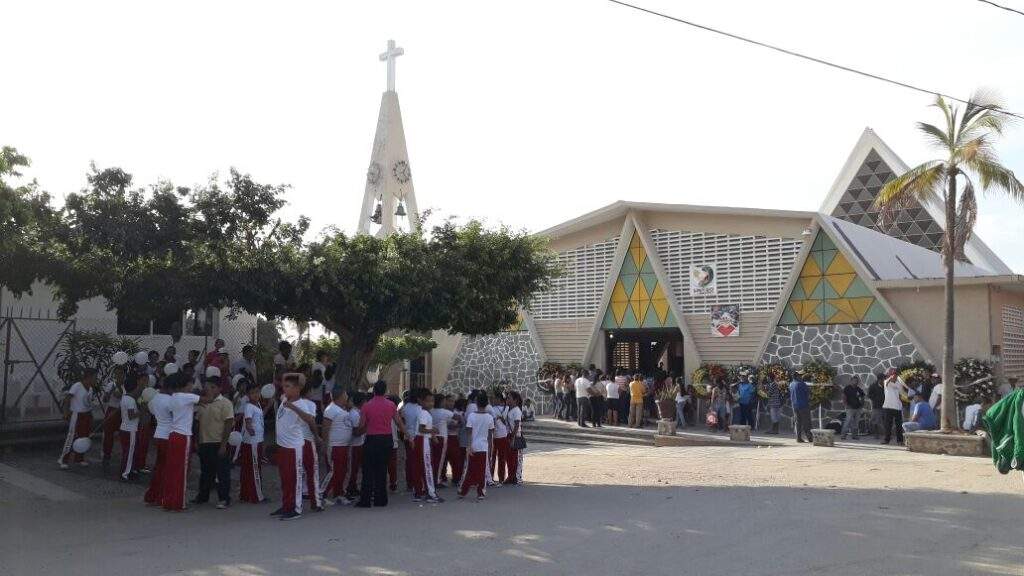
(373, 174)
(401, 171)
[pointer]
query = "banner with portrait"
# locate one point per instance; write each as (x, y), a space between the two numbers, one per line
(703, 279)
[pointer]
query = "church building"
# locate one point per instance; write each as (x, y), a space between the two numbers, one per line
(680, 285)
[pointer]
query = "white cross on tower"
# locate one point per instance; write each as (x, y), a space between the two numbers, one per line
(389, 57)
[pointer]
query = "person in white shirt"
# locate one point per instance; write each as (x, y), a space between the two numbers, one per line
(612, 392)
(441, 416)
(78, 403)
(481, 428)
(111, 398)
(935, 399)
(582, 386)
(129, 428)
(336, 431)
(498, 464)
(251, 453)
(410, 411)
(310, 451)
(295, 415)
(514, 416)
(160, 408)
(358, 439)
(893, 406)
(246, 364)
(182, 405)
(423, 470)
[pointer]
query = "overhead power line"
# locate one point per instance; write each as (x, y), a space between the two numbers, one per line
(1001, 7)
(805, 56)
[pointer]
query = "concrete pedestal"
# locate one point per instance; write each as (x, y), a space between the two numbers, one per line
(952, 444)
(667, 427)
(823, 436)
(739, 433)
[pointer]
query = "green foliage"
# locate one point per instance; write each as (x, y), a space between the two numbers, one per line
(83, 349)
(26, 223)
(392, 349)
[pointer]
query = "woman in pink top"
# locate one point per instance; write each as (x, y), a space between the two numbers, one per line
(375, 420)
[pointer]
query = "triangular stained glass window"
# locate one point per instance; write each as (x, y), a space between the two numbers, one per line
(637, 299)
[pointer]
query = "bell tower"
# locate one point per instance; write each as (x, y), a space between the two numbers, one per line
(389, 202)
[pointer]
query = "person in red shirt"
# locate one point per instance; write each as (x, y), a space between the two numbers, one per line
(375, 420)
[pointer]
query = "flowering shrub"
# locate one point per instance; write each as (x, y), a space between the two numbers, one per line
(772, 372)
(969, 370)
(822, 393)
(708, 373)
(818, 372)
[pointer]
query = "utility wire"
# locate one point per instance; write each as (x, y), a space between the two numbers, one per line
(806, 57)
(1001, 7)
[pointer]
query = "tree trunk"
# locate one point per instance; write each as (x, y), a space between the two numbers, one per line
(950, 421)
(354, 357)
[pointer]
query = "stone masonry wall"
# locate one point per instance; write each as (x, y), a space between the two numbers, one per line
(853, 349)
(508, 359)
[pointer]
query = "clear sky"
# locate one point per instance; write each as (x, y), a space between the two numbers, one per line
(526, 113)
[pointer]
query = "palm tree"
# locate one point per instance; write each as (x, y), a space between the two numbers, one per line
(967, 141)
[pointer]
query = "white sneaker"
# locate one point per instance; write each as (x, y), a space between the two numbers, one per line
(342, 501)
(84, 463)
(63, 466)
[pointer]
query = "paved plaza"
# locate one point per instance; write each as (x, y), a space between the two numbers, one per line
(857, 509)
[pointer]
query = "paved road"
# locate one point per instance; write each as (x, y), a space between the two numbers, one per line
(594, 511)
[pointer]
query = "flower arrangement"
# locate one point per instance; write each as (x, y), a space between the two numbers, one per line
(915, 374)
(735, 373)
(701, 391)
(708, 373)
(969, 370)
(818, 372)
(773, 372)
(822, 393)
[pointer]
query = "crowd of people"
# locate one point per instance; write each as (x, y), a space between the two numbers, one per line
(595, 398)
(332, 445)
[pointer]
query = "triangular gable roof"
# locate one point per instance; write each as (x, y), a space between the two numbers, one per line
(857, 184)
(888, 258)
(853, 280)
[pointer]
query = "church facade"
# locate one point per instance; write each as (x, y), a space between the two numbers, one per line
(679, 285)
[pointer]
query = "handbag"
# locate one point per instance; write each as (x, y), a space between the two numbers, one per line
(712, 419)
(518, 442)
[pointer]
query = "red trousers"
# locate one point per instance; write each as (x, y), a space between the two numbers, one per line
(452, 453)
(514, 472)
(176, 471)
(438, 447)
(154, 495)
(334, 482)
(289, 467)
(393, 470)
(475, 472)
(311, 474)
(142, 449)
(111, 427)
(356, 458)
(409, 457)
(79, 426)
(500, 457)
(129, 444)
(422, 470)
(250, 481)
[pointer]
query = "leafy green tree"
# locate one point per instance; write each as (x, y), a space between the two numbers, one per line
(465, 279)
(26, 222)
(967, 141)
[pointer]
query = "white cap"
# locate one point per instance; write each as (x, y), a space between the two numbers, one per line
(235, 379)
(170, 368)
(212, 372)
(141, 358)
(120, 358)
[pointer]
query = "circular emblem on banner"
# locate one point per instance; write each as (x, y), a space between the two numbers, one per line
(703, 275)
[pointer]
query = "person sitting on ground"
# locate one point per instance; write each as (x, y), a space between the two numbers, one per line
(528, 410)
(921, 416)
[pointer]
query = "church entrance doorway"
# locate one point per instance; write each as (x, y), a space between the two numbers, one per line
(644, 350)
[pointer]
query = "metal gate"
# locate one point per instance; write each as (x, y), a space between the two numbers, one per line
(32, 390)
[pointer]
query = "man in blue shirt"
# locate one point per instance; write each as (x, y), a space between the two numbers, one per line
(800, 397)
(922, 417)
(748, 399)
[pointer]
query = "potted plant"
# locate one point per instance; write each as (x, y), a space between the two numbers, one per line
(665, 399)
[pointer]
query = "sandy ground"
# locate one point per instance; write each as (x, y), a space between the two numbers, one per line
(585, 510)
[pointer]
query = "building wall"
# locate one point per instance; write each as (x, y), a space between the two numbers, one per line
(440, 359)
(507, 359)
(565, 341)
(922, 310)
(741, 349)
(1007, 311)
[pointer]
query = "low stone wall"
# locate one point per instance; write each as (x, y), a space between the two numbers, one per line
(951, 444)
(508, 359)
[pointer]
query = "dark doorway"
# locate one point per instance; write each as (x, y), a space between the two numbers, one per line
(642, 350)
